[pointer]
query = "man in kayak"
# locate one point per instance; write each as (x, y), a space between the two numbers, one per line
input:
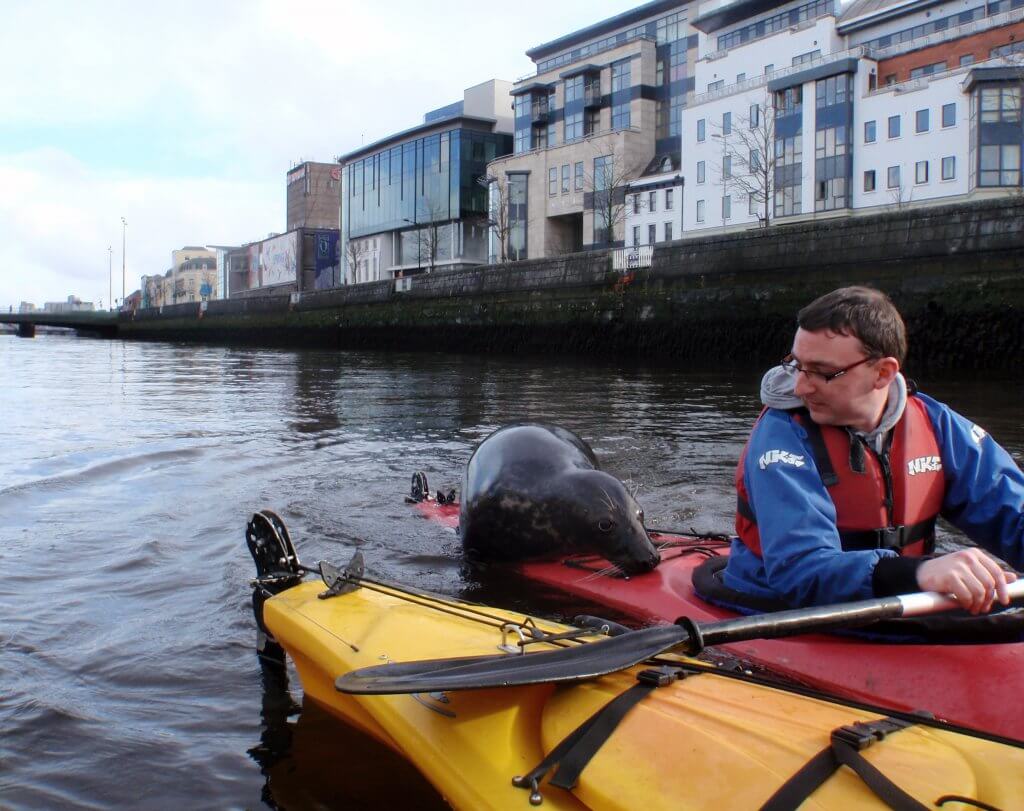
(847, 468)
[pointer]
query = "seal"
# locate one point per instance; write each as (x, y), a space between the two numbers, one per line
(532, 490)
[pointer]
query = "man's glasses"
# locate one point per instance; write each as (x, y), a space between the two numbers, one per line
(793, 364)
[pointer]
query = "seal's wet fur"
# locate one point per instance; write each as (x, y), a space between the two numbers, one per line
(533, 490)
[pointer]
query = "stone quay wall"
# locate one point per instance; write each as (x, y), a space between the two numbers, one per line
(956, 273)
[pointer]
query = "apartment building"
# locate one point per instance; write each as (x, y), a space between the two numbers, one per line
(817, 109)
(601, 111)
(414, 201)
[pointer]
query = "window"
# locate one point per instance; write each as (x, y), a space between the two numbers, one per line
(591, 122)
(894, 177)
(1000, 104)
(754, 161)
(668, 200)
(802, 59)
(718, 85)
(574, 88)
(890, 79)
(894, 126)
(949, 168)
(869, 132)
(652, 234)
(620, 116)
(579, 176)
(726, 166)
(966, 59)
(869, 180)
(921, 172)
(833, 90)
(652, 201)
(789, 101)
(921, 121)
(700, 130)
(948, 115)
(726, 123)
(573, 126)
(1000, 165)
(769, 70)
(668, 232)
(726, 207)
(565, 178)
(755, 116)
(636, 235)
(636, 203)
(700, 171)
(620, 75)
(552, 181)
(700, 211)
(927, 70)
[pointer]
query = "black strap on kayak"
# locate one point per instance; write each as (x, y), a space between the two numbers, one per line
(576, 750)
(844, 750)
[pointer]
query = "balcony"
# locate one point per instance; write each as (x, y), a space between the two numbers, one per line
(539, 111)
(592, 96)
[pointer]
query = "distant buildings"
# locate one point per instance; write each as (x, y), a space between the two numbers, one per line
(72, 305)
(416, 200)
(672, 119)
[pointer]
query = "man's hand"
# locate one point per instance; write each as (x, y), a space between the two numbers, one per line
(970, 575)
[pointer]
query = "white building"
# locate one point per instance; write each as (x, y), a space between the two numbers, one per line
(654, 205)
(828, 110)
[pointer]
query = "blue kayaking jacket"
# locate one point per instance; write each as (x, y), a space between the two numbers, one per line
(803, 562)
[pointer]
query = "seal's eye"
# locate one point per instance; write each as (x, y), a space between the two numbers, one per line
(640, 516)
(605, 525)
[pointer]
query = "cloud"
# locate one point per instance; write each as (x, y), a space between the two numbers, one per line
(185, 117)
(56, 213)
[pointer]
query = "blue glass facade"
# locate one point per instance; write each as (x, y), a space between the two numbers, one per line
(430, 179)
(672, 47)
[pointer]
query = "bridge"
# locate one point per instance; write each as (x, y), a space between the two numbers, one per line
(102, 322)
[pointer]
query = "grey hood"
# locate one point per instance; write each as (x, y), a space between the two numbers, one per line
(778, 384)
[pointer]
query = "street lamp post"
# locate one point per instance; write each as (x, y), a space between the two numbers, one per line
(110, 275)
(124, 231)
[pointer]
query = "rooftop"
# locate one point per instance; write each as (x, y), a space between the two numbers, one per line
(607, 26)
(420, 129)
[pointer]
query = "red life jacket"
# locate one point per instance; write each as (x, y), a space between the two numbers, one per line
(886, 501)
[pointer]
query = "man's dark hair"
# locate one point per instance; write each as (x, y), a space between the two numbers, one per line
(862, 312)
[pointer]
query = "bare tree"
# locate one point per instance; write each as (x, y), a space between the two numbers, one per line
(355, 252)
(498, 218)
(431, 234)
(748, 159)
(607, 183)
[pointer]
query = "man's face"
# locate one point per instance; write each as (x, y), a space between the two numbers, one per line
(855, 398)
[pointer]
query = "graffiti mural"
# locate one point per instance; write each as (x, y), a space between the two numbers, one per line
(277, 259)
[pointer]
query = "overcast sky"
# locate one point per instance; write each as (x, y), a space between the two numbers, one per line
(185, 121)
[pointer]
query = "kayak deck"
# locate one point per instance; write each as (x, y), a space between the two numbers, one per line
(945, 680)
(736, 742)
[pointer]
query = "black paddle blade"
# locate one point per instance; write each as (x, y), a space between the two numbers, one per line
(484, 672)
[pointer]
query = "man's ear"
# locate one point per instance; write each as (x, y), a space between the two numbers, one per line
(886, 369)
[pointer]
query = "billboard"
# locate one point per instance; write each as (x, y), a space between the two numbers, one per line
(277, 259)
(328, 264)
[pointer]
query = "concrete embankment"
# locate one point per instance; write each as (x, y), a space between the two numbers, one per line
(956, 272)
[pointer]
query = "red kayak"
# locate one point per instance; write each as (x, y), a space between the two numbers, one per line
(976, 685)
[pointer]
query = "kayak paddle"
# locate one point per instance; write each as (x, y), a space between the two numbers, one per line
(620, 652)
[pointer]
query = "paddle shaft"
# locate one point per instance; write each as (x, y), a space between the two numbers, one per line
(845, 615)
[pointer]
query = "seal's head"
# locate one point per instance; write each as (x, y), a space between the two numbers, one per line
(616, 523)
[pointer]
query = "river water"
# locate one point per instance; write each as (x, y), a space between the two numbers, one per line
(128, 471)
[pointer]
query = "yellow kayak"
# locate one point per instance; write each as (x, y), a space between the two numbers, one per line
(705, 741)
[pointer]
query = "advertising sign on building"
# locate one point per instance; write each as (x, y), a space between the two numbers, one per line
(277, 259)
(327, 260)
